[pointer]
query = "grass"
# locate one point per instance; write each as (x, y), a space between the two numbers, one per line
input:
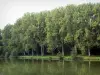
(91, 58)
(45, 57)
(66, 58)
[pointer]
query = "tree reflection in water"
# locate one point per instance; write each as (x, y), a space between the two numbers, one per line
(42, 67)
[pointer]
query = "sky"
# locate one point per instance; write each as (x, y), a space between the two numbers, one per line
(11, 10)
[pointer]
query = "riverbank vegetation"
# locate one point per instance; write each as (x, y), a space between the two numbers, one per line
(70, 30)
(65, 58)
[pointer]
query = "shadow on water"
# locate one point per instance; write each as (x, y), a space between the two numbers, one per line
(42, 67)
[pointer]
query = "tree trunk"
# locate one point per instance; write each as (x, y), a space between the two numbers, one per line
(62, 48)
(32, 52)
(24, 53)
(28, 53)
(41, 50)
(52, 53)
(89, 52)
(37, 52)
(75, 50)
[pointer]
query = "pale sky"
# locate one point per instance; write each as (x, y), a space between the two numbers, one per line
(11, 10)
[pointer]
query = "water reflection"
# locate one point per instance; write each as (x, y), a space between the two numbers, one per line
(41, 67)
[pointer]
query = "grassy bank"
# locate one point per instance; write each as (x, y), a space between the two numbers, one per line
(45, 57)
(67, 58)
(91, 58)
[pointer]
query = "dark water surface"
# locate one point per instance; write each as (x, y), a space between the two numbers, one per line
(41, 67)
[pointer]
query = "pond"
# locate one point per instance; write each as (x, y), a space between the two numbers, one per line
(41, 67)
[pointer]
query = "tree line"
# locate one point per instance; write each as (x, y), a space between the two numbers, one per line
(73, 27)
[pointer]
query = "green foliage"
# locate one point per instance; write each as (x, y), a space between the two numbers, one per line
(76, 26)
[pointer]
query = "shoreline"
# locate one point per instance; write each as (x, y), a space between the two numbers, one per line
(65, 58)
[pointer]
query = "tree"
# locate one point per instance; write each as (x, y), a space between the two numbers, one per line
(75, 26)
(1, 44)
(6, 38)
(41, 34)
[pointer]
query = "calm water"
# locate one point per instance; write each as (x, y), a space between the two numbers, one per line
(41, 67)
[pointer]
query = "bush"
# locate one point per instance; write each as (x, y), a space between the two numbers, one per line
(50, 58)
(73, 54)
(61, 58)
